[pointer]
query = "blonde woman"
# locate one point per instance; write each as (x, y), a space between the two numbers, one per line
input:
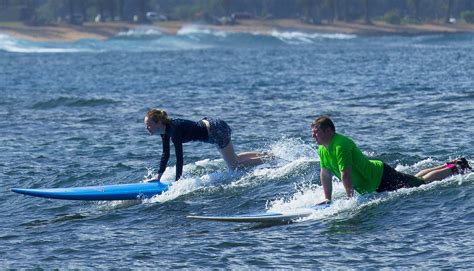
(209, 130)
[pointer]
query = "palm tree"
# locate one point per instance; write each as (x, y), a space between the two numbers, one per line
(121, 10)
(142, 5)
(70, 6)
(448, 12)
(367, 17)
(309, 7)
(111, 8)
(341, 6)
(332, 4)
(83, 8)
(100, 10)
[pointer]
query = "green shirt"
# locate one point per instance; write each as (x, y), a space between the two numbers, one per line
(342, 153)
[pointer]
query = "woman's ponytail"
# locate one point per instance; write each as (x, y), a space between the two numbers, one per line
(158, 115)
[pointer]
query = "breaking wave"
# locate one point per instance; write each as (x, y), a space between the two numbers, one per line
(189, 37)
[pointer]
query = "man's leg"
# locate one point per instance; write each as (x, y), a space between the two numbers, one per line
(428, 170)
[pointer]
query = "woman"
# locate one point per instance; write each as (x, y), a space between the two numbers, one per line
(179, 131)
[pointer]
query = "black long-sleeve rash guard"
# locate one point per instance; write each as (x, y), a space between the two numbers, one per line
(180, 131)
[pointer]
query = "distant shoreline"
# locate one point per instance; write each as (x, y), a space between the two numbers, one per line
(103, 31)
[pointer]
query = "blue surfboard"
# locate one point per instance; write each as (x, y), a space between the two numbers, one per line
(101, 192)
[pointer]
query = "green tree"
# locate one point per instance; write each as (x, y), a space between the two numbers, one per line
(468, 16)
(415, 6)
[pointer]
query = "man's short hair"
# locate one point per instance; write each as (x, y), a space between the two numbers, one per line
(324, 122)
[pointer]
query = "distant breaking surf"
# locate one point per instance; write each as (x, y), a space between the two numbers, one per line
(189, 37)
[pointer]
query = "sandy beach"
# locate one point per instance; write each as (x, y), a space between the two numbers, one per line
(101, 31)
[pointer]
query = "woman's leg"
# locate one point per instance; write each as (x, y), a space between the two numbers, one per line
(250, 159)
(252, 155)
(229, 156)
(245, 159)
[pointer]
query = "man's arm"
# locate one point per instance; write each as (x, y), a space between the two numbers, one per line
(347, 181)
(326, 182)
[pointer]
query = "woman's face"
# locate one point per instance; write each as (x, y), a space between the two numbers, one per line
(154, 127)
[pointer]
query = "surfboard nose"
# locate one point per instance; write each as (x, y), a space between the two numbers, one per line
(18, 190)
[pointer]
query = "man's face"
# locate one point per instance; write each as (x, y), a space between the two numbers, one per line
(322, 136)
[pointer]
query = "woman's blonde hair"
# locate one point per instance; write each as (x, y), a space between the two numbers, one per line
(158, 115)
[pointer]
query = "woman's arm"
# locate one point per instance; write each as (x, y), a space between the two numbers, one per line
(178, 147)
(164, 156)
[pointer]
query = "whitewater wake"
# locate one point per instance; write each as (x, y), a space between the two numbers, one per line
(296, 162)
(309, 194)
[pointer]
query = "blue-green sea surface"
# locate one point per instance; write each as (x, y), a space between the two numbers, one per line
(71, 114)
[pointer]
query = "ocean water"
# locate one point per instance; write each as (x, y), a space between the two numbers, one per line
(71, 114)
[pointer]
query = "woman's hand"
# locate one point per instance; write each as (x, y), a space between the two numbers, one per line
(154, 180)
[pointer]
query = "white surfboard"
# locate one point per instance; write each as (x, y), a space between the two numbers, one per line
(267, 217)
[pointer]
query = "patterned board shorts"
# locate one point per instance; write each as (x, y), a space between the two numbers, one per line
(219, 132)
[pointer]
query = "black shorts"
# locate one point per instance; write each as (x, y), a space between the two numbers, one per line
(219, 132)
(393, 180)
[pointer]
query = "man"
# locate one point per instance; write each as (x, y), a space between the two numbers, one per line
(340, 156)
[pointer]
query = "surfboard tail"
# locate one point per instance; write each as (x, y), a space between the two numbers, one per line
(267, 217)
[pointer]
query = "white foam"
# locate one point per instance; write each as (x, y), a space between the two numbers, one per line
(189, 37)
(189, 183)
(13, 45)
(426, 163)
(117, 204)
(310, 195)
(306, 197)
(290, 154)
(189, 30)
(295, 37)
(282, 170)
(291, 149)
(141, 32)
